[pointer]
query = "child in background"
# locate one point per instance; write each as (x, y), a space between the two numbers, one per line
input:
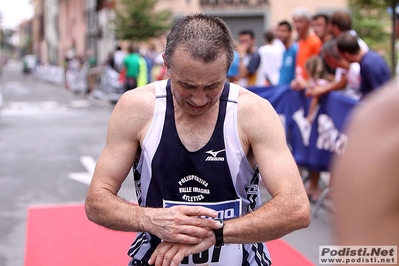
(318, 75)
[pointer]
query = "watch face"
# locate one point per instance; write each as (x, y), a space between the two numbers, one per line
(219, 234)
(220, 221)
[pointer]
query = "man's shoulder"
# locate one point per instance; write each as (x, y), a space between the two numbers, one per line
(312, 40)
(141, 97)
(292, 49)
(254, 112)
(249, 99)
(134, 111)
(255, 54)
(371, 59)
(371, 54)
(315, 39)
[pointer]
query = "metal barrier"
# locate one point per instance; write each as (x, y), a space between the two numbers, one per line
(109, 87)
(53, 74)
(76, 80)
(100, 81)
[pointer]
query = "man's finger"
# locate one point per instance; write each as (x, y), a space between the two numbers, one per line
(199, 211)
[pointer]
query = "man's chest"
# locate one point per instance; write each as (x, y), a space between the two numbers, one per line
(194, 138)
(195, 134)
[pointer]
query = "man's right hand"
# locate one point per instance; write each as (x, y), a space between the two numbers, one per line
(242, 50)
(182, 224)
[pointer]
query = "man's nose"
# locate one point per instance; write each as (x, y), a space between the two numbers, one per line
(199, 97)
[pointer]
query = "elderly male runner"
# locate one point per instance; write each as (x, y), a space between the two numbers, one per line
(198, 147)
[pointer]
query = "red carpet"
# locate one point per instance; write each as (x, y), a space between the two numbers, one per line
(62, 235)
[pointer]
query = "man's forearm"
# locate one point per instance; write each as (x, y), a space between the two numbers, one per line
(183, 224)
(114, 213)
(271, 221)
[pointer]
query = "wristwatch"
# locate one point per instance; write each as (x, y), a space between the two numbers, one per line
(219, 234)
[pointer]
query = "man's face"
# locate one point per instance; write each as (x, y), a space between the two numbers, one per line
(320, 27)
(301, 25)
(196, 85)
(347, 56)
(335, 30)
(246, 41)
(283, 33)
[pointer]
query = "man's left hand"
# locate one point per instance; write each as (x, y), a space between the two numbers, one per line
(171, 254)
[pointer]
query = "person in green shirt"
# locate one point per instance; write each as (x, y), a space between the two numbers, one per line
(136, 69)
(91, 62)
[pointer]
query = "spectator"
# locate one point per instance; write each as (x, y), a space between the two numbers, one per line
(136, 69)
(287, 71)
(149, 54)
(279, 45)
(366, 175)
(322, 27)
(119, 56)
(110, 60)
(308, 44)
(318, 77)
(347, 78)
(159, 71)
(341, 22)
(233, 73)
(374, 70)
(143, 73)
(347, 75)
(75, 78)
(91, 62)
(249, 58)
(270, 62)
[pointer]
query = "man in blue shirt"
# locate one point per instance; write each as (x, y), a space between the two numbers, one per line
(287, 71)
(374, 70)
(249, 58)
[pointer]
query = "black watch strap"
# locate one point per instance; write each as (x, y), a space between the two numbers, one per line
(219, 234)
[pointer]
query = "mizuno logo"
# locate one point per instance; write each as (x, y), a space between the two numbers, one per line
(214, 155)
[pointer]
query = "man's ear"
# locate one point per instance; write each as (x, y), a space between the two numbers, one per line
(343, 54)
(348, 56)
(164, 63)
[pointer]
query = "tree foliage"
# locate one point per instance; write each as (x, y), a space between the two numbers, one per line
(136, 20)
(376, 25)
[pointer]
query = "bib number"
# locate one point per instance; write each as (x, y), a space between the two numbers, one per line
(227, 255)
(203, 257)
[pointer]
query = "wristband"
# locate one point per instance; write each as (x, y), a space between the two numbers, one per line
(219, 234)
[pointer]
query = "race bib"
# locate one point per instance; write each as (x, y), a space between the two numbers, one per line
(230, 254)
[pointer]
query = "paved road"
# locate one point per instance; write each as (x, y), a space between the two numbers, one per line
(49, 138)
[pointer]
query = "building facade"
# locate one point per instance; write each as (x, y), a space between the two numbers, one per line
(258, 15)
(49, 48)
(38, 26)
(72, 29)
(74, 26)
(106, 41)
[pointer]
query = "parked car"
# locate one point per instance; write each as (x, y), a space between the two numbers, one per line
(30, 63)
